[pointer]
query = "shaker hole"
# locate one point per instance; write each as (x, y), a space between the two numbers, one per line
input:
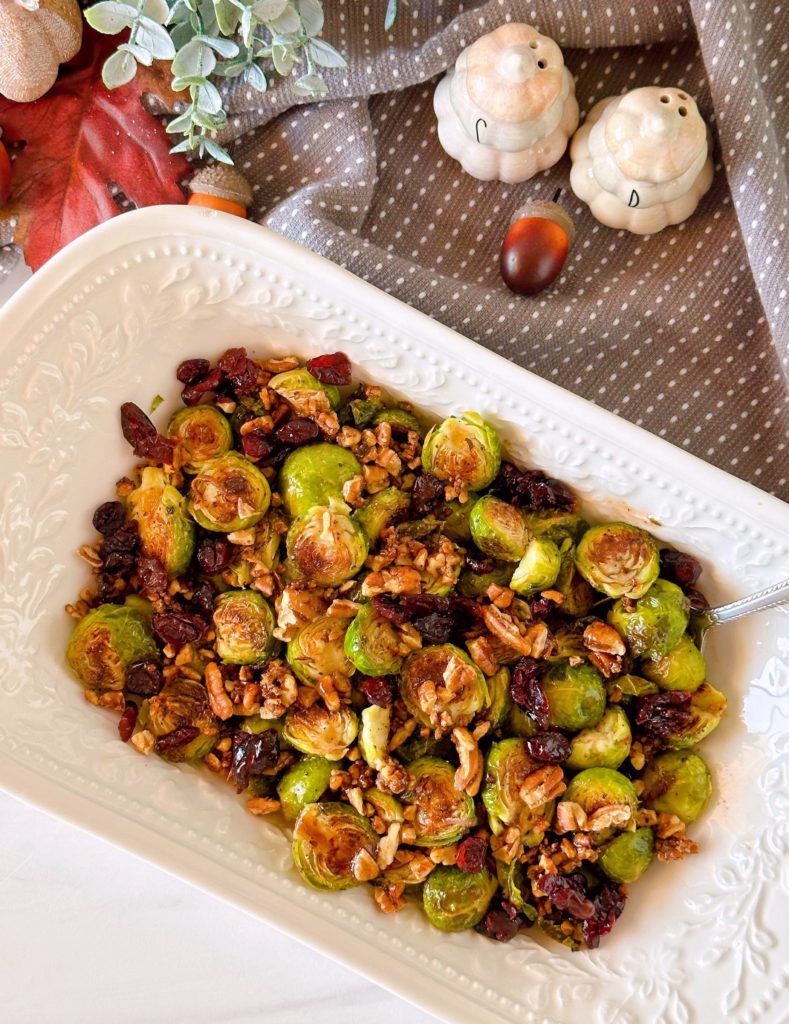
(683, 111)
(682, 95)
(541, 64)
(665, 99)
(533, 44)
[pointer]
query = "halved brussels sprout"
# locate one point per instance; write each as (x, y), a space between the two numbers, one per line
(455, 900)
(417, 746)
(677, 782)
(539, 567)
(165, 529)
(628, 855)
(183, 702)
(229, 493)
(263, 552)
(314, 475)
(387, 807)
(556, 524)
(618, 559)
(600, 787)
(654, 626)
(467, 694)
(576, 696)
(475, 584)
(203, 433)
(327, 839)
(326, 546)
(304, 393)
(604, 746)
(244, 624)
(317, 650)
(318, 731)
(372, 644)
(362, 407)
(578, 595)
(443, 813)
(382, 508)
(498, 529)
(568, 643)
(519, 723)
(457, 525)
(463, 450)
(399, 418)
(107, 640)
(515, 887)
(508, 763)
(374, 735)
(683, 668)
(707, 706)
(631, 686)
(499, 702)
(303, 783)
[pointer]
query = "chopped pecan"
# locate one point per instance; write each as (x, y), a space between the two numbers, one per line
(364, 867)
(278, 690)
(387, 846)
(393, 777)
(296, 607)
(218, 698)
(468, 777)
(389, 896)
(143, 741)
(543, 784)
(612, 814)
(262, 805)
(570, 816)
(481, 652)
(531, 641)
(447, 855)
(502, 597)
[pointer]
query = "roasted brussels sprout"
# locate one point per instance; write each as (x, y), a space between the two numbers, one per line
(654, 626)
(578, 595)
(457, 525)
(381, 510)
(165, 529)
(303, 783)
(326, 546)
(515, 887)
(631, 686)
(475, 584)
(508, 763)
(262, 552)
(498, 529)
(539, 567)
(314, 475)
(499, 702)
(107, 640)
(229, 493)
(372, 644)
(244, 624)
(576, 696)
(387, 807)
(304, 393)
(399, 418)
(519, 723)
(318, 731)
(317, 650)
(677, 782)
(568, 643)
(203, 433)
(183, 702)
(374, 735)
(455, 900)
(600, 787)
(606, 745)
(556, 524)
(446, 666)
(628, 855)
(618, 559)
(707, 706)
(683, 668)
(463, 450)
(443, 813)
(328, 841)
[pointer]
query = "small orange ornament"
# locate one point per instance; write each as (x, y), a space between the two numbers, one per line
(535, 247)
(5, 175)
(220, 187)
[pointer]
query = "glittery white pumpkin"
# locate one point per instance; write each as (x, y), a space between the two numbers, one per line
(508, 107)
(642, 160)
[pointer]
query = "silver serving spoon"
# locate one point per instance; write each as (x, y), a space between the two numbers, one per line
(770, 597)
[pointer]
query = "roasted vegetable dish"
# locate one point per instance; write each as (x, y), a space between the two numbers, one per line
(419, 658)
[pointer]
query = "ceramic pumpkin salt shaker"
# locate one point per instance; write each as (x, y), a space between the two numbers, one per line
(507, 108)
(642, 160)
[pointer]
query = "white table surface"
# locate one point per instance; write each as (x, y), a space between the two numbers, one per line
(89, 934)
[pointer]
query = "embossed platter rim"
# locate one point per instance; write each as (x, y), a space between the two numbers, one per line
(152, 286)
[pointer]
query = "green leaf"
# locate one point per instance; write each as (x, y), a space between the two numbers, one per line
(211, 122)
(156, 401)
(111, 17)
(179, 84)
(154, 38)
(391, 14)
(156, 10)
(287, 23)
(184, 146)
(119, 69)
(194, 61)
(227, 16)
(311, 85)
(254, 76)
(217, 151)
(141, 55)
(180, 123)
(325, 55)
(232, 69)
(283, 59)
(208, 100)
(269, 10)
(224, 47)
(311, 14)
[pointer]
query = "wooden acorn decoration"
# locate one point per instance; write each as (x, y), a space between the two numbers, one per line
(37, 37)
(535, 247)
(508, 107)
(5, 173)
(642, 160)
(221, 187)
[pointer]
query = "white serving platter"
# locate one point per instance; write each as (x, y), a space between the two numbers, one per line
(107, 320)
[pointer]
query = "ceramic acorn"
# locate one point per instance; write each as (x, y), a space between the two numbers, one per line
(507, 108)
(642, 160)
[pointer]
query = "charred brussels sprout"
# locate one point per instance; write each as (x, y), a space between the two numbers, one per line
(578, 595)
(320, 732)
(618, 559)
(683, 668)
(374, 735)
(107, 640)
(315, 475)
(628, 855)
(498, 529)
(455, 900)
(443, 813)
(317, 650)
(182, 703)
(475, 584)
(202, 432)
(326, 546)
(303, 783)
(556, 525)
(304, 393)
(604, 746)
(677, 782)
(165, 529)
(508, 764)
(655, 624)
(463, 450)
(445, 666)
(601, 787)
(400, 419)
(499, 703)
(328, 841)
(382, 509)
(229, 493)
(244, 624)
(539, 567)
(707, 706)
(372, 644)
(576, 696)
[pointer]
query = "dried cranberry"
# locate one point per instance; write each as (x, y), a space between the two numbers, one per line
(252, 755)
(257, 445)
(192, 393)
(240, 370)
(568, 894)
(477, 562)
(202, 600)
(531, 489)
(661, 714)
(334, 368)
(152, 574)
(426, 495)
(298, 431)
(472, 854)
(214, 555)
(178, 628)
(609, 902)
(680, 568)
(191, 370)
(135, 425)
(378, 690)
(435, 628)
(552, 747)
(143, 679)
(119, 563)
(540, 607)
(109, 517)
(124, 539)
(389, 608)
(177, 738)
(498, 925)
(106, 590)
(697, 601)
(127, 722)
(156, 448)
(526, 691)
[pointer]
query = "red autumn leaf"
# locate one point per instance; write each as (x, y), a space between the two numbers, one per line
(78, 139)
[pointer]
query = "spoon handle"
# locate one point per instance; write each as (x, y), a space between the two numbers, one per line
(777, 594)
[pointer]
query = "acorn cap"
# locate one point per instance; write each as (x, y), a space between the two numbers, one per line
(224, 182)
(548, 211)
